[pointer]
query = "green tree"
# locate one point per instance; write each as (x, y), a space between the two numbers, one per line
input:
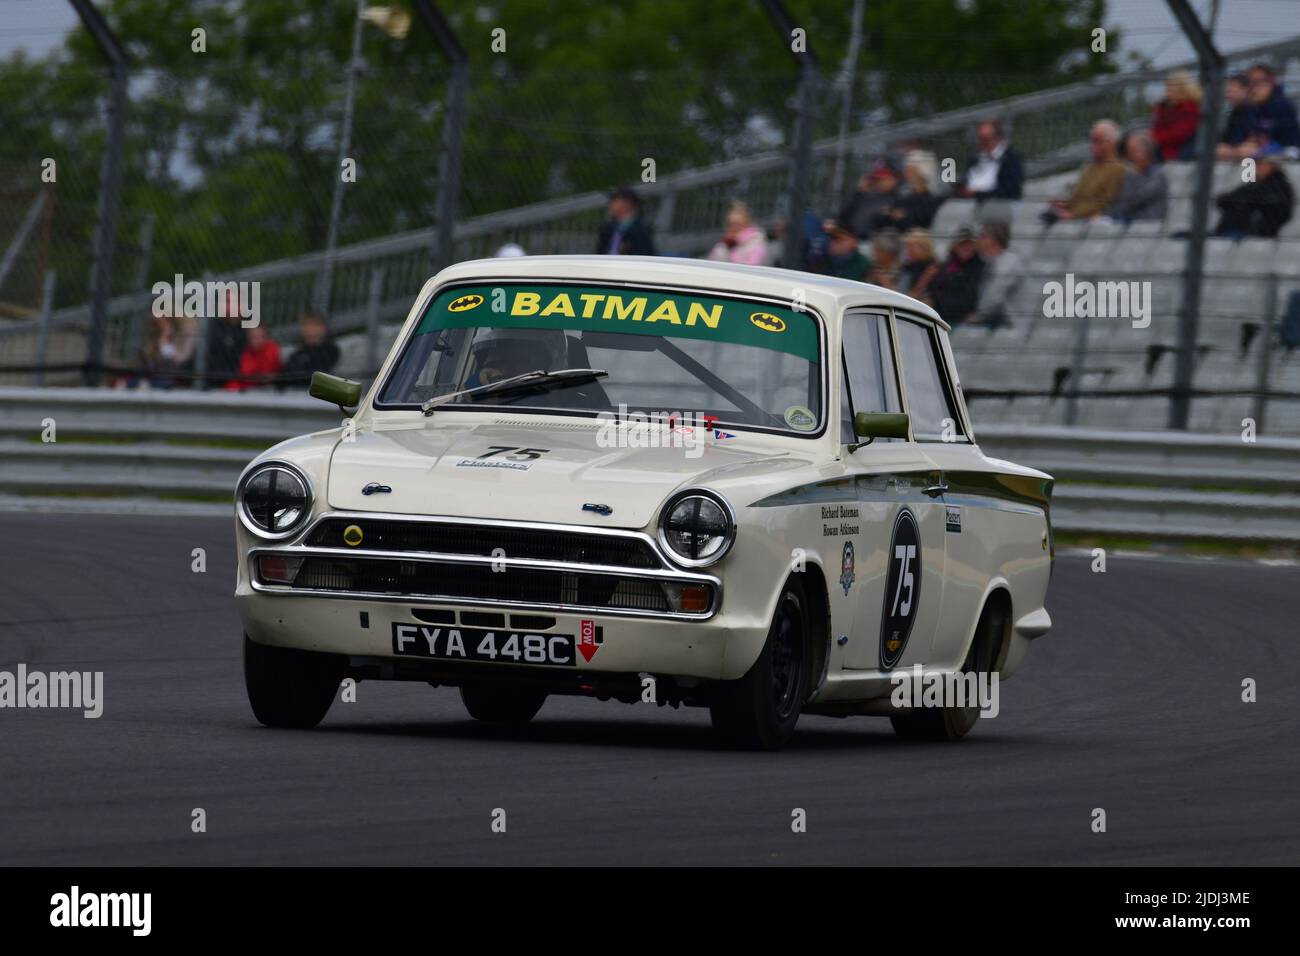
(232, 151)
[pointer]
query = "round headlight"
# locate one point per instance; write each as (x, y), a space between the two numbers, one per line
(696, 528)
(274, 499)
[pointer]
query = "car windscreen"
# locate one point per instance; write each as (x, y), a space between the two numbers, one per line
(745, 363)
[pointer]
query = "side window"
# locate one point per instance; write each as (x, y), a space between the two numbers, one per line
(928, 401)
(869, 366)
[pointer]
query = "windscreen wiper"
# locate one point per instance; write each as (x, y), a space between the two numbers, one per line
(523, 380)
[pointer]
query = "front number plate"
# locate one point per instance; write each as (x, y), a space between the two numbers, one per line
(467, 644)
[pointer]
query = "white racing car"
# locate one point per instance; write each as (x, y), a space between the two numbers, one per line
(651, 480)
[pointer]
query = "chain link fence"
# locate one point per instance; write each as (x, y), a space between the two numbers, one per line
(230, 172)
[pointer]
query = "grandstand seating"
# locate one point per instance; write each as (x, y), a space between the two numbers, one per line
(1248, 284)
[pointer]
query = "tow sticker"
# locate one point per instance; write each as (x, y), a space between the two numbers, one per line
(589, 640)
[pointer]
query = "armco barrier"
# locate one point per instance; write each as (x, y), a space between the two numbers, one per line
(179, 446)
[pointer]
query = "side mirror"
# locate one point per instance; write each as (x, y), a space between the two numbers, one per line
(873, 425)
(337, 391)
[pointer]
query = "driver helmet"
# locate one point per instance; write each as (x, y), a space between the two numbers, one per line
(500, 352)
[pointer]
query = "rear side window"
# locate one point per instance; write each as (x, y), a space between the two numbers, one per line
(928, 401)
(869, 366)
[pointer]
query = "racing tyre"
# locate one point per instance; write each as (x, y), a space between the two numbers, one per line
(759, 711)
(953, 723)
(502, 704)
(288, 687)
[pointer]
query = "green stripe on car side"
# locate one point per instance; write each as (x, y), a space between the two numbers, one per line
(976, 488)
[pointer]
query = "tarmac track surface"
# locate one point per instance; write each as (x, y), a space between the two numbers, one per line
(1131, 704)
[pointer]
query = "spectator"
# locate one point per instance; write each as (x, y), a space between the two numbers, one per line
(259, 362)
(954, 290)
(919, 263)
(916, 206)
(742, 241)
(844, 259)
(225, 344)
(996, 171)
(155, 355)
(1274, 117)
(1175, 118)
(1001, 279)
(886, 259)
(317, 353)
(168, 351)
(1144, 194)
(1260, 208)
(625, 233)
(812, 253)
(185, 347)
(1099, 180)
(866, 208)
(1241, 117)
(897, 152)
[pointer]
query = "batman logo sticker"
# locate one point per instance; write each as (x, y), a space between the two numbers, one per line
(465, 303)
(768, 322)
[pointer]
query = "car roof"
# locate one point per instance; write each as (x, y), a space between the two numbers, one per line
(828, 292)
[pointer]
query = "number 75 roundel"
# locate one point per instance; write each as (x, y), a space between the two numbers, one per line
(902, 589)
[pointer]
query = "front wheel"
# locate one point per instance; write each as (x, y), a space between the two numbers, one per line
(759, 711)
(953, 723)
(502, 704)
(288, 687)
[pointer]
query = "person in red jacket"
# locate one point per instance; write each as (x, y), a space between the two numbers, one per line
(1175, 118)
(259, 361)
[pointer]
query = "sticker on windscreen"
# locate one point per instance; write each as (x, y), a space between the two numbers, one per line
(662, 313)
(800, 418)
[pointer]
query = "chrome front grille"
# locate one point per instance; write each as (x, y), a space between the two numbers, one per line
(486, 564)
(480, 584)
(488, 540)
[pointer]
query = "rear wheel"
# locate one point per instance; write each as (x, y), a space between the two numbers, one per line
(289, 687)
(759, 711)
(502, 703)
(953, 723)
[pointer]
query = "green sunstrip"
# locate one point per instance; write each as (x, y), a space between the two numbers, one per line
(617, 309)
(966, 487)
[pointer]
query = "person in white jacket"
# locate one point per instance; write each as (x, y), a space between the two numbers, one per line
(742, 242)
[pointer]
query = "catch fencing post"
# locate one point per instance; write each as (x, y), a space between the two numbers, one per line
(1077, 362)
(801, 156)
(1207, 137)
(201, 351)
(110, 186)
(372, 319)
(1260, 409)
(664, 213)
(453, 130)
(325, 278)
(43, 331)
(146, 252)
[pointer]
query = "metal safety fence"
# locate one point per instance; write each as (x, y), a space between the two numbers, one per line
(124, 451)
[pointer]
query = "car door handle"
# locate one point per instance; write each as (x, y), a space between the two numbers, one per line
(934, 491)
